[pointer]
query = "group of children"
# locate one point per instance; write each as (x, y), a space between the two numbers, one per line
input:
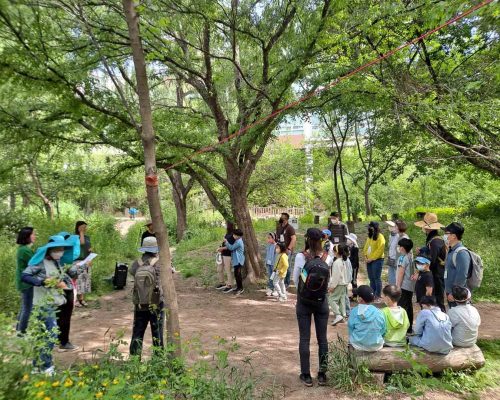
(370, 328)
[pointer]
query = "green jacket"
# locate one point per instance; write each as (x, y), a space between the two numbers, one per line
(24, 254)
(397, 323)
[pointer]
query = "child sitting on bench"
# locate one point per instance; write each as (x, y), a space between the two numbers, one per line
(366, 322)
(465, 319)
(396, 318)
(433, 328)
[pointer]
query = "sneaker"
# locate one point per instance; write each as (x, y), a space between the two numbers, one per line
(321, 379)
(282, 299)
(306, 379)
(51, 371)
(275, 294)
(338, 319)
(228, 289)
(269, 293)
(221, 286)
(68, 347)
(238, 291)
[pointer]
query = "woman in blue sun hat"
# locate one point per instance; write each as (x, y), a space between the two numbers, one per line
(52, 286)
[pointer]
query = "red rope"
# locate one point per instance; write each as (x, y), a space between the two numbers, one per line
(332, 84)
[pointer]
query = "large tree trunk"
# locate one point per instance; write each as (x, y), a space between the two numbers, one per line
(238, 193)
(148, 143)
(344, 188)
(179, 194)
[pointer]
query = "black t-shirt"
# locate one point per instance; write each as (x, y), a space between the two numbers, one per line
(424, 280)
(145, 235)
(229, 237)
(284, 234)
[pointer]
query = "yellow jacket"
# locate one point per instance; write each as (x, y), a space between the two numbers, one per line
(281, 265)
(374, 249)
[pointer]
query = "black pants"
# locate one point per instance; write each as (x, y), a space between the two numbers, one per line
(64, 314)
(406, 302)
(304, 318)
(141, 319)
(354, 281)
(438, 291)
(238, 277)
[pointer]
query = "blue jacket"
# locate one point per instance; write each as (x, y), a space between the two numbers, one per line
(237, 252)
(456, 275)
(366, 328)
(270, 254)
(433, 331)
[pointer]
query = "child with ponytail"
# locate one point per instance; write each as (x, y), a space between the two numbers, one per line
(337, 287)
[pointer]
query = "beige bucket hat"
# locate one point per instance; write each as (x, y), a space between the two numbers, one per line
(430, 221)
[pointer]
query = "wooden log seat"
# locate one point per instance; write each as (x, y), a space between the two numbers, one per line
(391, 359)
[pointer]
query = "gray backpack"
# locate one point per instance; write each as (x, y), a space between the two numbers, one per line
(146, 291)
(475, 274)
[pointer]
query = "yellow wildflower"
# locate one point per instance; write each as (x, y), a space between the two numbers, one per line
(56, 384)
(137, 396)
(26, 377)
(176, 334)
(105, 383)
(161, 397)
(81, 384)
(40, 394)
(46, 398)
(68, 382)
(40, 383)
(163, 382)
(98, 395)
(81, 373)
(116, 381)
(95, 366)
(127, 377)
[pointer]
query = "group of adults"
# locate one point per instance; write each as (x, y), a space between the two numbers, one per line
(52, 281)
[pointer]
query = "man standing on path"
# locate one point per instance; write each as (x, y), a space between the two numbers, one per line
(149, 231)
(338, 228)
(285, 233)
(457, 262)
(437, 249)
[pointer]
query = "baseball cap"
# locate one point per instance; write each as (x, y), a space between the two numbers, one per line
(366, 293)
(455, 227)
(314, 234)
(422, 260)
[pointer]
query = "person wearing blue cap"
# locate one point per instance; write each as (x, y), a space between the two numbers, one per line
(328, 247)
(50, 283)
(425, 280)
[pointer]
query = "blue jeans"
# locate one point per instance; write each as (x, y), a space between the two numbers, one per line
(270, 269)
(391, 272)
(375, 275)
(49, 337)
(26, 307)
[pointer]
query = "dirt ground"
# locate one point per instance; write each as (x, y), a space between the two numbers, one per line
(265, 329)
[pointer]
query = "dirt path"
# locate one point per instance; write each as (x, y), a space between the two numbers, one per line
(266, 330)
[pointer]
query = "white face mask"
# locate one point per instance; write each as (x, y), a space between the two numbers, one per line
(420, 267)
(445, 238)
(57, 255)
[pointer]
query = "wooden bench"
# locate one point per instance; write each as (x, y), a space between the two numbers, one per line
(390, 359)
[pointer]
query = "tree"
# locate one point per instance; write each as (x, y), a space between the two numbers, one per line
(147, 134)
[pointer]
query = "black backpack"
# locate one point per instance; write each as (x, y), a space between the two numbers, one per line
(313, 281)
